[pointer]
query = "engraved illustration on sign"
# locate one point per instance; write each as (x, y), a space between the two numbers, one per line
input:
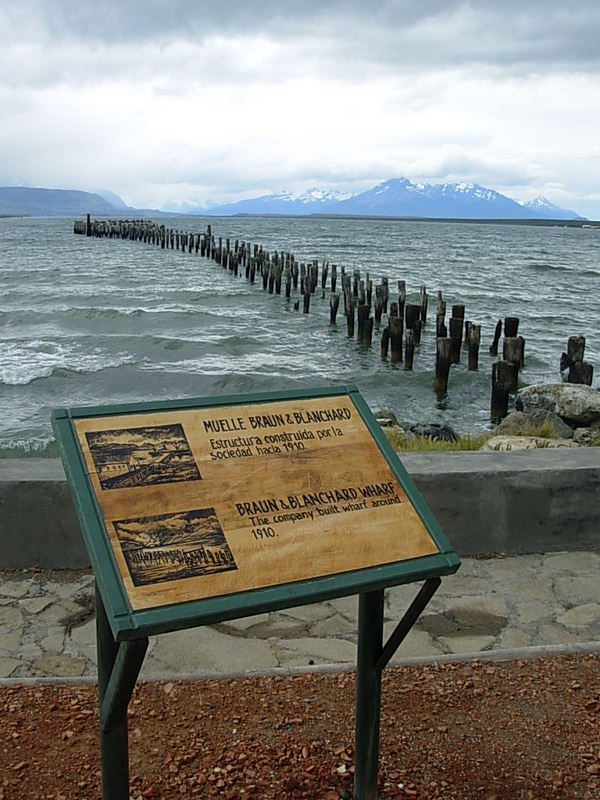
(173, 546)
(142, 456)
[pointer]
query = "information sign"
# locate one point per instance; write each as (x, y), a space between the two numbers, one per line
(196, 511)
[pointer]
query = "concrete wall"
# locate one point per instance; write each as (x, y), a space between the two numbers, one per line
(517, 502)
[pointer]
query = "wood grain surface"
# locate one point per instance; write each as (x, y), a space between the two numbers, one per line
(205, 502)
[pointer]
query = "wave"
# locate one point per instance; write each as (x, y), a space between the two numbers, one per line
(29, 448)
(25, 366)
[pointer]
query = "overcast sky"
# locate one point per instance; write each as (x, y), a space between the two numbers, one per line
(193, 101)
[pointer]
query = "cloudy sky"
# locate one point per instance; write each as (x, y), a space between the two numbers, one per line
(187, 100)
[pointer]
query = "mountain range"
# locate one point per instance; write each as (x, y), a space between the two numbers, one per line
(397, 197)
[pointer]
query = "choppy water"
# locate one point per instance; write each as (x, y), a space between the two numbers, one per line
(87, 321)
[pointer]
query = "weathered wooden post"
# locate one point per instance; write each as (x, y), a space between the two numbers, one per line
(412, 314)
(473, 342)
(333, 277)
(88, 225)
(386, 293)
(442, 364)
(513, 351)
(288, 283)
(306, 293)
(580, 371)
(410, 349)
(456, 329)
(401, 298)
(363, 314)
(497, 335)
(502, 380)
(368, 331)
(424, 302)
(385, 341)
(511, 327)
(440, 317)
(416, 329)
(378, 304)
(334, 303)
(396, 333)
(350, 316)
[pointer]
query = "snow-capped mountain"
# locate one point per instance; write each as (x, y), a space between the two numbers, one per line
(543, 207)
(313, 201)
(398, 197)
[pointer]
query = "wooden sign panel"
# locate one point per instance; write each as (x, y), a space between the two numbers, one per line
(209, 501)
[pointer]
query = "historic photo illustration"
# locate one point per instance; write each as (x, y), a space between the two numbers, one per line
(142, 456)
(174, 546)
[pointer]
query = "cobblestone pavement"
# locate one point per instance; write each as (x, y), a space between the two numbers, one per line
(47, 626)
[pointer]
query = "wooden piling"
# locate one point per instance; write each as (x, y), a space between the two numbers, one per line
(385, 341)
(378, 303)
(409, 349)
(424, 303)
(416, 329)
(497, 335)
(396, 332)
(580, 371)
(363, 315)
(401, 298)
(456, 329)
(334, 303)
(412, 313)
(350, 316)
(502, 380)
(473, 342)
(512, 351)
(442, 364)
(511, 327)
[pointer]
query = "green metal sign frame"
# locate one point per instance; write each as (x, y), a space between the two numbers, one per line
(123, 632)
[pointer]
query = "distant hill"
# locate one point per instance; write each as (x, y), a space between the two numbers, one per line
(399, 197)
(25, 201)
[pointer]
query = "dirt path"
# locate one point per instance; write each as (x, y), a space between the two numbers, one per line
(521, 729)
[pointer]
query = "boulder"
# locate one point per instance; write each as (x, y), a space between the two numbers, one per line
(506, 443)
(576, 404)
(386, 418)
(434, 431)
(517, 423)
(584, 436)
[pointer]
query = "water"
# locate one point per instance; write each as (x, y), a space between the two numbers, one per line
(92, 321)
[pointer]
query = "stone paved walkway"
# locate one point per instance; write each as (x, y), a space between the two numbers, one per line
(47, 627)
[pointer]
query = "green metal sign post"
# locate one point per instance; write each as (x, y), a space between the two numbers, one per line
(203, 510)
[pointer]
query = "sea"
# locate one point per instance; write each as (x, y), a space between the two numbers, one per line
(87, 321)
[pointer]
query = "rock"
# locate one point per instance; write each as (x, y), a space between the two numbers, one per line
(434, 431)
(506, 443)
(584, 436)
(576, 404)
(57, 665)
(517, 423)
(386, 418)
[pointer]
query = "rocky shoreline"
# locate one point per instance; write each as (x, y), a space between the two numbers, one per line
(545, 415)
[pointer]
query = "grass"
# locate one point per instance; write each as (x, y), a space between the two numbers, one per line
(413, 444)
(466, 441)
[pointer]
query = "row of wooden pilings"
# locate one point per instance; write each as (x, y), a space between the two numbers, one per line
(277, 271)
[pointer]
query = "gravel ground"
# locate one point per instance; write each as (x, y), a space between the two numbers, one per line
(519, 729)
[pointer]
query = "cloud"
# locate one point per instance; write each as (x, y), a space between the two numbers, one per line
(187, 99)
